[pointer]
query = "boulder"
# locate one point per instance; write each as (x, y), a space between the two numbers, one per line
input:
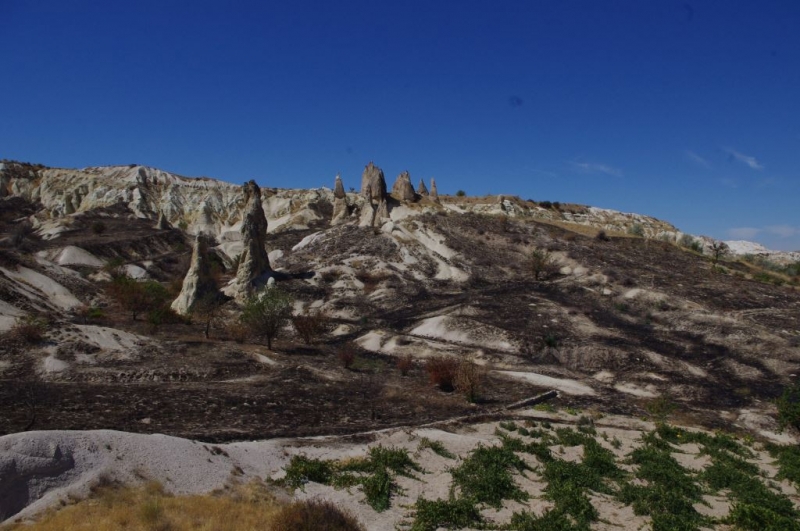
(403, 190)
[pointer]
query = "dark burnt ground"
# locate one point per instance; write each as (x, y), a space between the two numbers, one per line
(214, 391)
(217, 390)
(508, 298)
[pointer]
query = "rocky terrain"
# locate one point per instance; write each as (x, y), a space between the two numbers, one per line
(609, 309)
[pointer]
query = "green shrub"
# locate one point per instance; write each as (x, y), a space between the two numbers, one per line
(302, 469)
(437, 447)
(265, 313)
(789, 407)
(485, 476)
(450, 514)
(636, 230)
(788, 458)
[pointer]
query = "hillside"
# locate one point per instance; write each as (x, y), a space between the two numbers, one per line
(616, 316)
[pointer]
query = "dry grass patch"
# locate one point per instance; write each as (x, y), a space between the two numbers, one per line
(149, 508)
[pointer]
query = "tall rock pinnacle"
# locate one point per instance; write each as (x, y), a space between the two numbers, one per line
(254, 262)
(368, 210)
(198, 281)
(340, 210)
(422, 189)
(434, 192)
(373, 176)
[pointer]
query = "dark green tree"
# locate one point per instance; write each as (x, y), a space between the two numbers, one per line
(266, 313)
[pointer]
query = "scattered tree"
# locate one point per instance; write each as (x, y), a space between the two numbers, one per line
(636, 230)
(442, 372)
(718, 250)
(310, 325)
(20, 233)
(690, 243)
(405, 364)
(266, 313)
(469, 380)
(347, 355)
(207, 309)
(98, 227)
(543, 265)
(461, 193)
(29, 330)
(138, 297)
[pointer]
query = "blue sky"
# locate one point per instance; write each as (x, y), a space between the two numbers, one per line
(687, 111)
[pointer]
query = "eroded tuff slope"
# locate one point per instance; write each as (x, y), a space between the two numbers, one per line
(618, 321)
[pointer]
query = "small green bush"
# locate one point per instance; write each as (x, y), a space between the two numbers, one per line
(437, 447)
(450, 514)
(485, 476)
(636, 230)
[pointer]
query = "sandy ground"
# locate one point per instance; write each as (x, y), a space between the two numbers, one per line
(39, 469)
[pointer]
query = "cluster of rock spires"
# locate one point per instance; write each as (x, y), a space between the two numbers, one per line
(375, 210)
(254, 266)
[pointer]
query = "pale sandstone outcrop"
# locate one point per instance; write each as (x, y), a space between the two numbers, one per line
(422, 189)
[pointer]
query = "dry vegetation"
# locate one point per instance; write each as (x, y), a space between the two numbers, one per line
(149, 508)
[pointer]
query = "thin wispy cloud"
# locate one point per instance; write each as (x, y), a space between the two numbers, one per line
(744, 159)
(748, 233)
(697, 159)
(744, 233)
(783, 231)
(545, 172)
(596, 167)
